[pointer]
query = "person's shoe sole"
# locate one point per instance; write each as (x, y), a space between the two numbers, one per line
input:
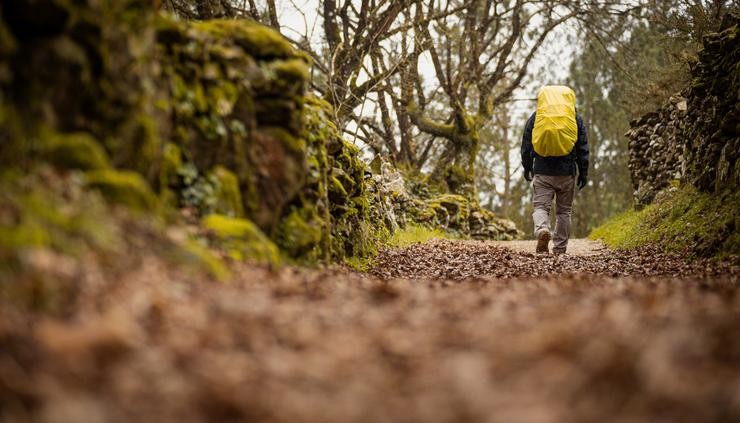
(543, 238)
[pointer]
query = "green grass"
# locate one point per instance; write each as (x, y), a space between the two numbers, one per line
(621, 230)
(685, 220)
(413, 234)
(360, 264)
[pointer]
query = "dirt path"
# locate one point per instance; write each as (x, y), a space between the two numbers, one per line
(440, 332)
(578, 247)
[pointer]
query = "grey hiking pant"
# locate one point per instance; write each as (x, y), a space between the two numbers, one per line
(561, 188)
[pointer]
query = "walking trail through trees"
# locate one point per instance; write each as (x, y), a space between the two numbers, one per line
(181, 199)
(440, 331)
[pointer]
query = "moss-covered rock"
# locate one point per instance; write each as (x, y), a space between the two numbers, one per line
(241, 239)
(124, 187)
(76, 151)
(304, 231)
(228, 197)
(82, 66)
(236, 90)
(408, 200)
(213, 116)
(48, 222)
(54, 231)
(280, 170)
(257, 40)
(168, 177)
(452, 211)
(300, 233)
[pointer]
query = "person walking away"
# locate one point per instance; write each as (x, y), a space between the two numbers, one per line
(554, 147)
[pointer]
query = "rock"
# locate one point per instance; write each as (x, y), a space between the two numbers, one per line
(124, 187)
(241, 239)
(228, 196)
(76, 151)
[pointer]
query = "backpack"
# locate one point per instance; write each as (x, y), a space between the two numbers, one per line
(555, 129)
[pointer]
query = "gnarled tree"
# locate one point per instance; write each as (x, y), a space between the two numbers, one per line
(480, 55)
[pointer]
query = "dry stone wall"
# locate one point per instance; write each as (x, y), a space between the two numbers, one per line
(208, 117)
(212, 118)
(656, 153)
(402, 206)
(712, 137)
(695, 137)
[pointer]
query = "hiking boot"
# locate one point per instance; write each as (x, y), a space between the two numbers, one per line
(543, 239)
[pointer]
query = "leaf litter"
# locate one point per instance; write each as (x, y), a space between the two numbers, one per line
(445, 331)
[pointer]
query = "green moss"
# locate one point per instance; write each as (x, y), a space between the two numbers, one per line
(241, 239)
(299, 233)
(293, 70)
(137, 146)
(452, 210)
(459, 179)
(36, 215)
(123, 187)
(76, 151)
(198, 99)
(360, 264)
(228, 197)
(361, 203)
(620, 231)
(258, 40)
(171, 162)
(684, 220)
(27, 235)
(336, 189)
(222, 97)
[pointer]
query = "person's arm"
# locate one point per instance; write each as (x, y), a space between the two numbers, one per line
(527, 149)
(582, 150)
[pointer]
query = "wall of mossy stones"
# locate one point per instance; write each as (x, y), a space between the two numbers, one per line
(695, 138)
(206, 124)
(211, 118)
(712, 137)
(656, 154)
(411, 199)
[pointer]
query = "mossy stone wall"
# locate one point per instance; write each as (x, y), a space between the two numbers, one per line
(712, 138)
(160, 114)
(82, 66)
(695, 137)
(233, 94)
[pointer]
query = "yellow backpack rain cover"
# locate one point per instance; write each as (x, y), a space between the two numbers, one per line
(555, 129)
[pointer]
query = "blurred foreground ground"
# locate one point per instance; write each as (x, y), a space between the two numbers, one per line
(440, 332)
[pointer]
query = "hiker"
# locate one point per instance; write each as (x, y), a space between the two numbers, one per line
(554, 145)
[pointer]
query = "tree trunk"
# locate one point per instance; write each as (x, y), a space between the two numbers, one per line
(455, 170)
(506, 196)
(273, 14)
(204, 8)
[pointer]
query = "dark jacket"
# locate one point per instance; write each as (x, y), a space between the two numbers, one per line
(556, 166)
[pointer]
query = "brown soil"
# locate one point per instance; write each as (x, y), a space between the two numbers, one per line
(441, 332)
